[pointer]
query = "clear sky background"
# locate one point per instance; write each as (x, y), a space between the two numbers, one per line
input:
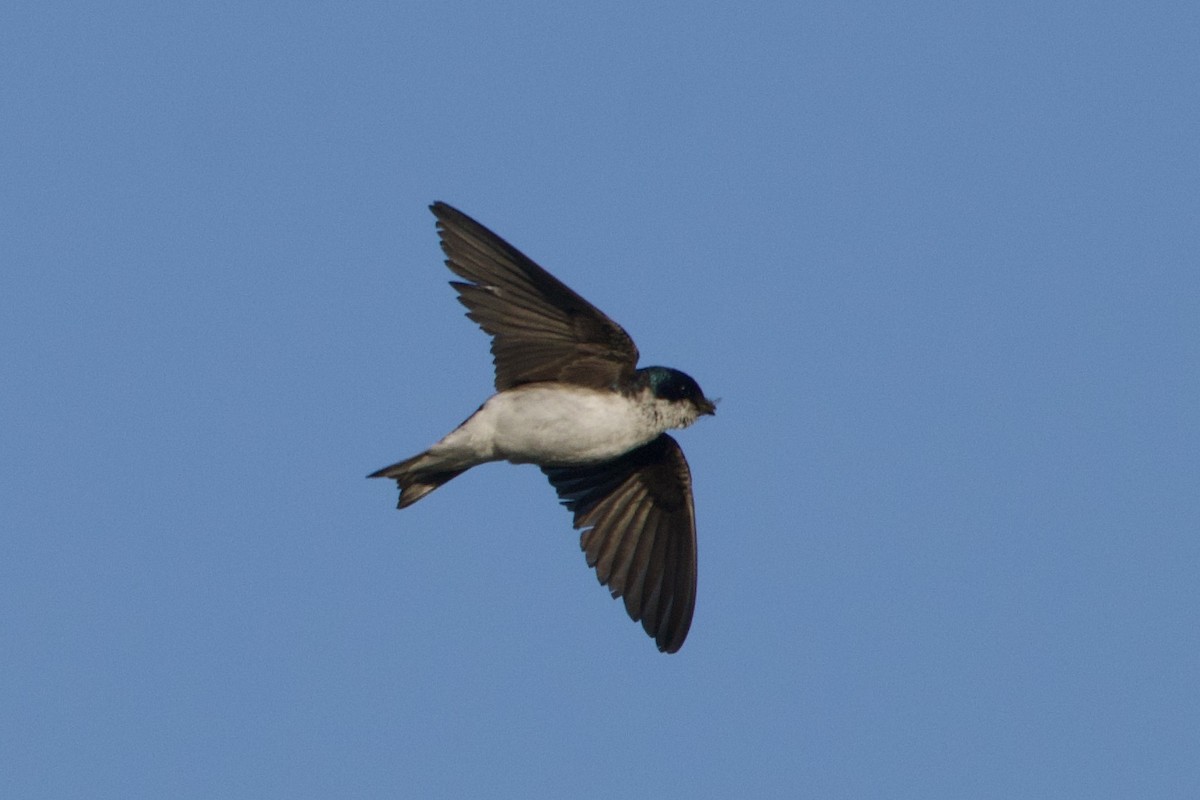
(941, 262)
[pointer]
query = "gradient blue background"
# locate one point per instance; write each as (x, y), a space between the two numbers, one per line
(941, 261)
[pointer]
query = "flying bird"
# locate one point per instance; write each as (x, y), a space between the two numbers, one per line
(571, 399)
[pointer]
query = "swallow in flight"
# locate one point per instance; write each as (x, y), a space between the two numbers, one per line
(571, 399)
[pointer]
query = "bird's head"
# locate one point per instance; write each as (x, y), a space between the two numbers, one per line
(677, 387)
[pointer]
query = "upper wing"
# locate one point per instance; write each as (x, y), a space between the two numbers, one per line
(541, 330)
(639, 533)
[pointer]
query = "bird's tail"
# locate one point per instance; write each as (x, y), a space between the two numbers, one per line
(417, 477)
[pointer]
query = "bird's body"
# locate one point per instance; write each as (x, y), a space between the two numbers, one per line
(557, 424)
(571, 401)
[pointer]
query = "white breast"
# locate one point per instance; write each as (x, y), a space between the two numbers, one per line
(559, 425)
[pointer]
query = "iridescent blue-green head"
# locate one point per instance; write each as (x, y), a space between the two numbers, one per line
(675, 386)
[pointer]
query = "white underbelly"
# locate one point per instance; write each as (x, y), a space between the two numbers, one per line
(535, 424)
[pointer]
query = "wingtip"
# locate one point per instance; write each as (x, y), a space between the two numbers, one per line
(442, 210)
(670, 639)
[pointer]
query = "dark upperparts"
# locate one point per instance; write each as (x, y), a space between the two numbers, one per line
(671, 384)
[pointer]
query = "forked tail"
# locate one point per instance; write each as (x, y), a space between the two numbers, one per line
(416, 477)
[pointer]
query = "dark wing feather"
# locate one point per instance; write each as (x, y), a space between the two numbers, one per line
(639, 532)
(540, 329)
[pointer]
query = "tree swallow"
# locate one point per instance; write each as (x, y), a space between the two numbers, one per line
(570, 399)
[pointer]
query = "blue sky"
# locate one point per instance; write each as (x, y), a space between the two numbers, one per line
(940, 261)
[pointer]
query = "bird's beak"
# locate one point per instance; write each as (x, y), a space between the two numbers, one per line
(707, 406)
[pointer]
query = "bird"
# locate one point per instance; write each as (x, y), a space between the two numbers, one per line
(571, 399)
